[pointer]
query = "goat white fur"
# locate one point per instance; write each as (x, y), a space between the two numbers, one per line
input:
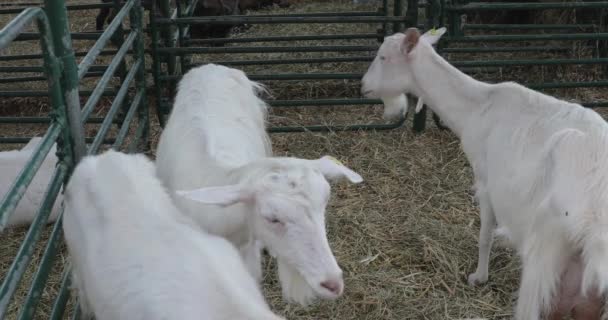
(540, 166)
(135, 256)
(11, 164)
(215, 141)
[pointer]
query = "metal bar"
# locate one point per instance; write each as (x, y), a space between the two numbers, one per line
(25, 177)
(90, 58)
(272, 20)
(531, 37)
(63, 295)
(32, 120)
(11, 31)
(68, 7)
(325, 14)
(116, 104)
(319, 128)
(527, 6)
(77, 314)
(156, 67)
(290, 76)
(322, 102)
(504, 49)
(139, 133)
(528, 26)
(419, 121)
(167, 33)
(266, 49)
(119, 36)
(124, 129)
(72, 141)
(181, 33)
(558, 85)
(143, 114)
(39, 56)
(188, 12)
(539, 62)
(42, 274)
(383, 11)
(90, 35)
(24, 255)
(26, 139)
(29, 36)
(5, 94)
(595, 104)
(293, 61)
(9, 69)
(103, 82)
(12, 4)
(287, 38)
(41, 78)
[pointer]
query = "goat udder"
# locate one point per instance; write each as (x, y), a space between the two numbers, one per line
(569, 298)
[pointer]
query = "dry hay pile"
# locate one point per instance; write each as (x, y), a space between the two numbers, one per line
(406, 238)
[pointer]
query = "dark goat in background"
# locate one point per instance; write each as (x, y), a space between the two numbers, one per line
(213, 8)
(108, 13)
(203, 8)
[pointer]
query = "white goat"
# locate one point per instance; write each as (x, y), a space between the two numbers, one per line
(11, 164)
(215, 140)
(136, 256)
(540, 166)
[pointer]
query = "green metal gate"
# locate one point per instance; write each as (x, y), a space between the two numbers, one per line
(174, 53)
(66, 127)
(555, 52)
(553, 55)
(15, 78)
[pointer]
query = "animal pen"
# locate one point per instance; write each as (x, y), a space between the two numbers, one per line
(311, 57)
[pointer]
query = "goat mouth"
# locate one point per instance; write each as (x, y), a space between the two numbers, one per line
(368, 93)
(327, 294)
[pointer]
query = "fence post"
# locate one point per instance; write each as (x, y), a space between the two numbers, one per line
(118, 39)
(384, 29)
(397, 11)
(455, 20)
(419, 119)
(143, 113)
(58, 21)
(156, 63)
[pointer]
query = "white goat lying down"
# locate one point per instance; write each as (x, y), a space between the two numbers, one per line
(136, 256)
(11, 164)
(215, 145)
(540, 166)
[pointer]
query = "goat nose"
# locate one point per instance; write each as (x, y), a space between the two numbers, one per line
(332, 286)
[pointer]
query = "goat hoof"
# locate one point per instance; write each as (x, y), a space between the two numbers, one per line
(477, 279)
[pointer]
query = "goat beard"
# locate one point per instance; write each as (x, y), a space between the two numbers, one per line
(397, 107)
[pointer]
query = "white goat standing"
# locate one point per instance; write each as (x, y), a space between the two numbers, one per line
(215, 140)
(136, 256)
(540, 166)
(11, 164)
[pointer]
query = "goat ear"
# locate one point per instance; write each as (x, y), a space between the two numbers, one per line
(333, 169)
(222, 196)
(432, 36)
(412, 35)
